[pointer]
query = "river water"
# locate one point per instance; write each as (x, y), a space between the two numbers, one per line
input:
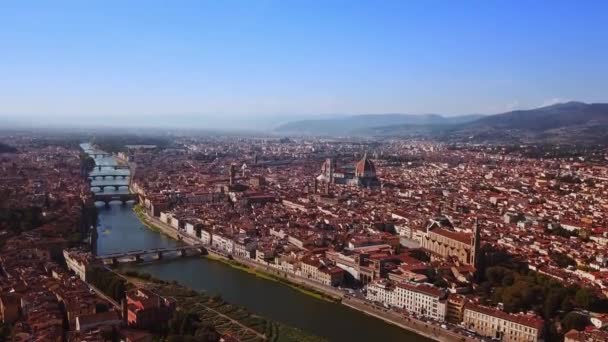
(119, 230)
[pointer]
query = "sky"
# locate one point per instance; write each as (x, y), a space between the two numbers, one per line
(229, 62)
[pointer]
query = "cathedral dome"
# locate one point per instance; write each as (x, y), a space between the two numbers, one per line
(365, 168)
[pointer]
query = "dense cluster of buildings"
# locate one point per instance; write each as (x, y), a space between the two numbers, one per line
(402, 221)
(44, 289)
(342, 213)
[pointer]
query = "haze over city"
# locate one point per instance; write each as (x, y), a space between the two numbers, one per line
(204, 63)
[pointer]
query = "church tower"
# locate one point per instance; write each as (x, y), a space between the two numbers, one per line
(232, 173)
(328, 169)
(475, 242)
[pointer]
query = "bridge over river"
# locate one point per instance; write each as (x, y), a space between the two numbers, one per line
(111, 167)
(152, 254)
(107, 198)
(102, 176)
(117, 185)
(108, 180)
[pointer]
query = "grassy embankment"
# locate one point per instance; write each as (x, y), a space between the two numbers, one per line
(213, 310)
(139, 212)
(269, 276)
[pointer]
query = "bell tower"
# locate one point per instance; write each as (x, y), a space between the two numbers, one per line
(475, 241)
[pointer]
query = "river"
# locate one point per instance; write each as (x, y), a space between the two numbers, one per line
(119, 229)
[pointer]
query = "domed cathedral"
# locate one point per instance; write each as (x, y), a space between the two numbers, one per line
(363, 174)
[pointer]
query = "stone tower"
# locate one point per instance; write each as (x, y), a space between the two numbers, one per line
(475, 241)
(232, 173)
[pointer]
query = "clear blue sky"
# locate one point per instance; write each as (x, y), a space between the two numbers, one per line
(61, 59)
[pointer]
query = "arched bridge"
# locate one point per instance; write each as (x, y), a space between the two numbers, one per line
(98, 154)
(107, 198)
(109, 175)
(156, 253)
(115, 186)
(114, 167)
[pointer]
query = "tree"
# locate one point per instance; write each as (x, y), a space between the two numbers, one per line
(583, 298)
(5, 332)
(101, 307)
(496, 274)
(567, 305)
(420, 255)
(562, 260)
(551, 305)
(183, 323)
(574, 320)
(207, 333)
(508, 279)
(109, 283)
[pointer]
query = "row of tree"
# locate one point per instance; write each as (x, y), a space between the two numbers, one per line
(109, 283)
(187, 326)
(21, 219)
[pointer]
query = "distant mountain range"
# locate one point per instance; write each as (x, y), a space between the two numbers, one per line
(574, 122)
(367, 123)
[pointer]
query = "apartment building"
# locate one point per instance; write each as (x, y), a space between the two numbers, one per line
(421, 299)
(504, 326)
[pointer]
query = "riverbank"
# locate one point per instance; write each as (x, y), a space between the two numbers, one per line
(228, 318)
(238, 263)
(308, 287)
(425, 329)
(145, 219)
(139, 212)
(269, 276)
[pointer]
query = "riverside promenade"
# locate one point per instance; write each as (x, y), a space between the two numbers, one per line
(427, 329)
(423, 328)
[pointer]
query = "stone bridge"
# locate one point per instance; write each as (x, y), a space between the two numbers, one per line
(156, 253)
(109, 175)
(115, 167)
(98, 154)
(107, 198)
(115, 186)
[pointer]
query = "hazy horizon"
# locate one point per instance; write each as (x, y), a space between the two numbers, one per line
(258, 64)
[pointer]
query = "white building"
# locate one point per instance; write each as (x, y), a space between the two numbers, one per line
(206, 237)
(175, 222)
(222, 244)
(190, 229)
(165, 217)
(421, 299)
(501, 325)
(244, 248)
(81, 263)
